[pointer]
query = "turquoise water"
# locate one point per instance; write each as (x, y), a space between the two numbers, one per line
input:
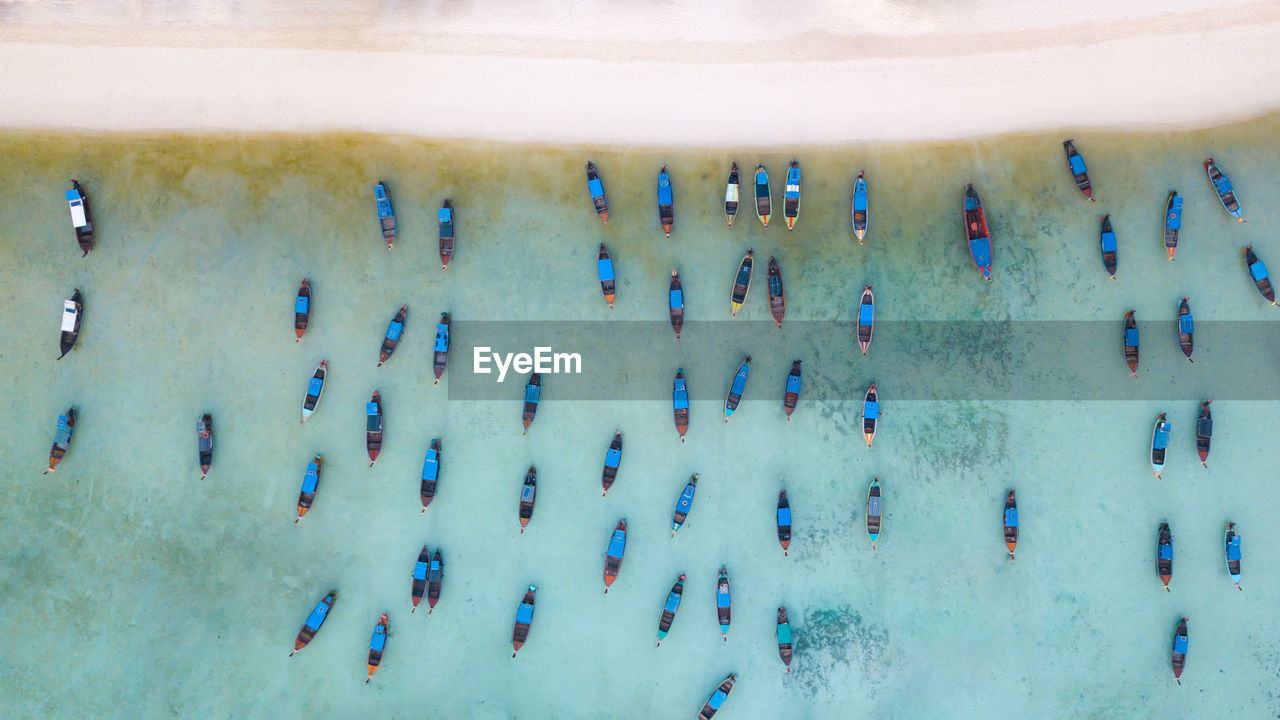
(130, 588)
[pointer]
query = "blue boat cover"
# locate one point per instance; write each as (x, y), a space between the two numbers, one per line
(310, 480)
(1180, 644)
(1222, 184)
(526, 493)
(302, 304)
(612, 458)
(1131, 337)
(1166, 552)
(431, 466)
(1258, 271)
(865, 314)
(317, 616)
(722, 598)
(860, 195)
(618, 543)
(420, 571)
(379, 640)
(524, 614)
(1161, 439)
(314, 385)
(605, 268)
(1186, 324)
(740, 380)
(62, 422)
(1233, 548)
(680, 396)
(793, 183)
(793, 383)
(1174, 220)
(442, 338)
(446, 216)
(1011, 517)
(63, 436)
(394, 329)
(664, 189)
(717, 699)
(1077, 165)
(762, 177)
(686, 497)
(73, 195)
(676, 299)
(384, 203)
(971, 199)
(673, 603)
(775, 285)
(531, 393)
(595, 187)
(784, 516)
(371, 409)
(784, 633)
(1108, 242)
(435, 565)
(871, 410)
(980, 248)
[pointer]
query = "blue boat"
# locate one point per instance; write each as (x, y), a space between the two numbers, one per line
(1258, 273)
(724, 604)
(1129, 343)
(1079, 173)
(1232, 541)
(314, 621)
(791, 395)
(430, 474)
(315, 389)
(62, 439)
(1011, 522)
(392, 338)
(1179, 656)
(713, 703)
(445, 221)
(386, 214)
(870, 413)
(684, 505)
(310, 482)
(680, 403)
(1159, 443)
(670, 608)
(1172, 223)
(604, 266)
(866, 319)
(976, 232)
(791, 198)
(784, 638)
(418, 589)
(377, 645)
(784, 522)
(373, 427)
(532, 396)
(666, 202)
(1186, 328)
(613, 556)
(524, 620)
(612, 459)
(764, 201)
(1226, 193)
(675, 301)
(596, 189)
(738, 387)
(1164, 555)
(302, 309)
(861, 211)
(1108, 238)
(440, 358)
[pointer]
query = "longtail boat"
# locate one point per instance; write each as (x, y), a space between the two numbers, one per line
(731, 190)
(1079, 173)
(976, 232)
(612, 459)
(430, 474)
(784, 637)
(386, 214)
(764, 203)
(445, 220)
(395, 329)
(1011, 522)
(314, 621)
(204, 443)
(669, 609)
(1129, 342)
(675, 301)
(666, 202)
(777, 295)
(713, 703)
(870, 413)
(1159, 443)
(315, 389)
(72, 313)
(866, 319)
(532, 395)
(741, 283)
(875, 512)
(373, 427)
(613, 555)
(784, 522)
(595, 188)
(1258, 272)
(310, 483)
(528, 494)
(1204, 432)
(1108, 239)
(791, 198)
(724, 603)
(1172, 223)
(737, 388)
(377, 645)
(420, 569)
(684, 505)
(435, 581)
(1186, 328)
(1226, 194)
(791, 394)
(1164, 555)
(81, 217)
(604, 267)
(1179, 656)
(62, 439)
(861, 211)
(1232, 542)
(440, 360)
(680, 403)
(524, 618)
(302, 309)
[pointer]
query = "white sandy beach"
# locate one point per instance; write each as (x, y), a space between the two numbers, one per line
(691, 73)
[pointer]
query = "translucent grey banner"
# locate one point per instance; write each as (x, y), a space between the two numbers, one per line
(964, 360)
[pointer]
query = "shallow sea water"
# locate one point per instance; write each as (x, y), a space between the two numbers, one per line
(130, 588)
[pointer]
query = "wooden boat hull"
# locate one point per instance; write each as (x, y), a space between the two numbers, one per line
(62, 439)
(875, 512)
(1178, 658)
(595, 188)
(79, 204)
(1129, 342)
(314, 621)
(1172, 223)
(604, 266)
(861, 209)
(791, 393)
(731, 192)
(612, 459)
(528, 496)
(791, 198)
(1159, 443)
(373, 428)
(204, 443)
(717, 698)
(386, 214)
(666, 202)
(446, 221)
(430, 474)
(532, 396)
(684, 505)
(1011, 522)
(1258, 273)
(784, 638)
(72, 315)
(310, 485)
(1223, 189)
(1185, 326)
(977, 234)
(435, 581)
(784, 522)
(1231, 543)
(315, 390)
(524, 621)
(420, 570)
(777, 294)
(1204, 432)
(395, 330)
(741, 283)
(1108, 242)
(675, 302)
(1164, 555)
(866, 318)
(613, 556)
(737, 388)
(764, 201)
(670, 608)
(1079, 172)
(724, 603)
(870, 413)
(680, 403)
(440, 351)
(302, 309)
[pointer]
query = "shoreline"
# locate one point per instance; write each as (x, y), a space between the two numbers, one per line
(823, 83)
